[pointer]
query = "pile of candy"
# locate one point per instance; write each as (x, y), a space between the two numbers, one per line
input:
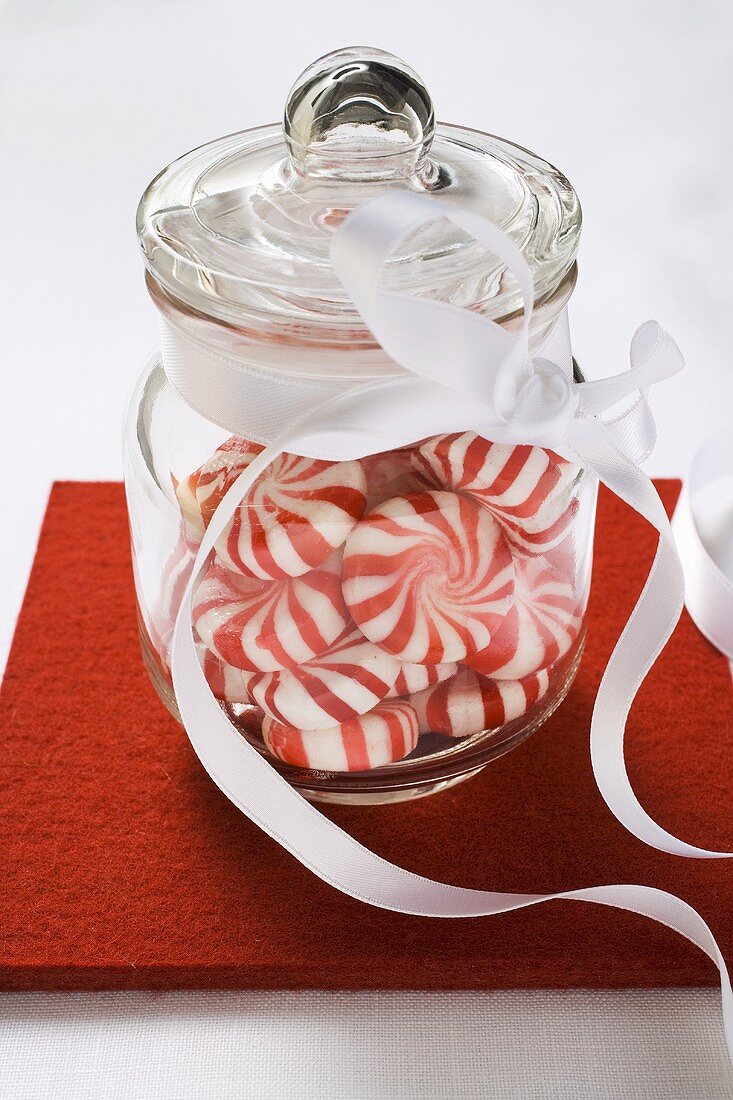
(361, 604)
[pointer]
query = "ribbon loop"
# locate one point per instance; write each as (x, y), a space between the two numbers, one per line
(653, 357)
(456, 347)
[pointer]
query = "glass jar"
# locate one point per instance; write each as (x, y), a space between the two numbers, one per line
(363, 677)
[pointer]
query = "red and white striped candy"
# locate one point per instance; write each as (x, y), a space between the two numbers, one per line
(193, 524)
(392, 474)
(200, 493)
(293, 517)
(220, 472)
(385, 734)
(540, 628)
(469, 703)
(428, 577)
(562, 558)
(266, 625)
(412, 678)
(348, 679)
(526, 488)
(174, 578)
(228, 683)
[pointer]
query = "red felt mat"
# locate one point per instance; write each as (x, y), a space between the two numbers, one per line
(124, 867)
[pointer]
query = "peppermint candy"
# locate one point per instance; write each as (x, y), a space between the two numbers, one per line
(293, 517)
(220, 472)
(227, 683)
(412, 678)
(193, 524)
(201, 492)
(543, 623)
(527, 489)
(334, 641)
(469, 703)
(392, 474)
(266, 625)
(174, 578)
(387, 733)
(350, 678)
(429, 577)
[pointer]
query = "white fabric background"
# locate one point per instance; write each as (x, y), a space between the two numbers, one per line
(274, 1046)
(632, 100)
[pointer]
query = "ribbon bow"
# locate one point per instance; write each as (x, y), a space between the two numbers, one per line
(461, 372)
(489, 380)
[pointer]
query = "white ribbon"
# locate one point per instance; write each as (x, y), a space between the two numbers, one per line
(702, 531)
(462, 372)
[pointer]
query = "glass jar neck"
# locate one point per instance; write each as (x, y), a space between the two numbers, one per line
(314, 351)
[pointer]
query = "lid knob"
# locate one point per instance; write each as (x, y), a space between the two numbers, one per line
(359, 114)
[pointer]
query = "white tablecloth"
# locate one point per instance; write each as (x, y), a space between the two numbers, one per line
(287, 1046)
(632, 100)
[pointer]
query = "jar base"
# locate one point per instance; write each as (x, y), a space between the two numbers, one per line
(440, 767)
(493, 745)
(387, 796)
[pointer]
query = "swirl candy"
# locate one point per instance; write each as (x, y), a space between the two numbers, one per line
(293, 517)
(174, 578)
(412, 678)
(266, 625)
(429, 577)
(348, 679)
(391, 474)
(469, 703)
(220, 471)
(527, 489)
(226, 682)
(387, 733)
(200, 493)
(193, 524)
(540, 628)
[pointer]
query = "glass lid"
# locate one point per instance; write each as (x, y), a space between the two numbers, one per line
(239, 230)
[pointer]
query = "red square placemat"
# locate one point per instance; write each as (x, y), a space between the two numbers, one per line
(126, 868)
